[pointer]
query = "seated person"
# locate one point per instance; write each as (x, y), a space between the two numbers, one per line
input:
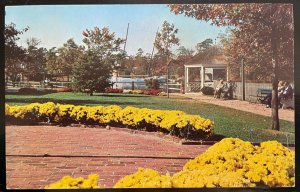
(280, 88)
(219, 89)
(267, 99)
(228, 91)
(287, 92)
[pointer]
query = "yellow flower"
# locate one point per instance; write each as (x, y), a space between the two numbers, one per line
(68, 182)
(7, 113)
(145, 178)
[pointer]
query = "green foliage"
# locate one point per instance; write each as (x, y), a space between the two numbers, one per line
(14, 54)
(35, 60)
(204, 45)
(52, 65)
(91, 73)
(95, 64)
(67, 56)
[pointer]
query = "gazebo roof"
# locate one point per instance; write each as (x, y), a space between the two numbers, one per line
(212, 65)
(210, 60)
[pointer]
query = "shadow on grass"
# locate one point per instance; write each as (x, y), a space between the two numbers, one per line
(74, 102)
(38, 93)
(212, 138)
(216, 137)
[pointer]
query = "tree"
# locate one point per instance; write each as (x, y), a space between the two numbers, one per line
(204, 45)
(67, 56)
(91, 73)
(255, 26)
(166, 39)
(183, 56)
(258, 59)
(52, 64)
(35, 60)
(99, 58)
(141, 63)
(14, 54)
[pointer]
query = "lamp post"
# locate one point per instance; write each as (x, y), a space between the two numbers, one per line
(117, 67)
(167, 79)
(243, 78)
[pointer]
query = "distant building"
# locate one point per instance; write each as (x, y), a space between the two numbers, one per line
(203, 71)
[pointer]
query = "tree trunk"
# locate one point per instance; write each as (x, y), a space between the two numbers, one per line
(274, 104)
(167, 79)
(274, 101)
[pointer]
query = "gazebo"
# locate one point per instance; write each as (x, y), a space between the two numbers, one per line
(198, 75)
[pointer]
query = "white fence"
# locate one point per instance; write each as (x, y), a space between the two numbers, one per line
(36, 84)
(250, 89)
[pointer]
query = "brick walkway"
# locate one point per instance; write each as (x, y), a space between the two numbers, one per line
(39, 155)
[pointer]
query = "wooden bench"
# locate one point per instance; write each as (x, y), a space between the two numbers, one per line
(260, 94)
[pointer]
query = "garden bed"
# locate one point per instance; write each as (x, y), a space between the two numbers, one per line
(175, 123)
(229, 163)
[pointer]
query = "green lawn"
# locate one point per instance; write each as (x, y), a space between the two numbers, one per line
(229, 122)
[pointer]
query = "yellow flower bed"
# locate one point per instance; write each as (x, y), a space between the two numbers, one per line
(136, 91)
(229, 163)
(145, 178)
(236, 163)
(128, 116)
(68, 182)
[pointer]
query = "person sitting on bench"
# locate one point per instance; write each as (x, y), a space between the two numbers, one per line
(267, 99)
(228, 90)
(287, 92)
(219, 89)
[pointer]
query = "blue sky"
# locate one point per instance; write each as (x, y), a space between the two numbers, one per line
(54, 25)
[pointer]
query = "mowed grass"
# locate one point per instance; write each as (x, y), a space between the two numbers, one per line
(228, 122)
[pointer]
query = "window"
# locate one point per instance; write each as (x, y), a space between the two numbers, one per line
(219, 74)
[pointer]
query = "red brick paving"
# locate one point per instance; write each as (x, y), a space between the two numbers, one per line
(79, 151)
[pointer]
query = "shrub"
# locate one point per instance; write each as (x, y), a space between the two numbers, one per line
(113, 90)
(231, 162)
(169, 121)
(162, 93)
(152, 83)
(101, 86)
(136, 92)
(151, 92)
(236, 163)
(68, 182)
(145, 178)
(208, 90)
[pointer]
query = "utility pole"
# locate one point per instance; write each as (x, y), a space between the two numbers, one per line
(167, 79)
(117, 65)
(126, 38)
(151, 61)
